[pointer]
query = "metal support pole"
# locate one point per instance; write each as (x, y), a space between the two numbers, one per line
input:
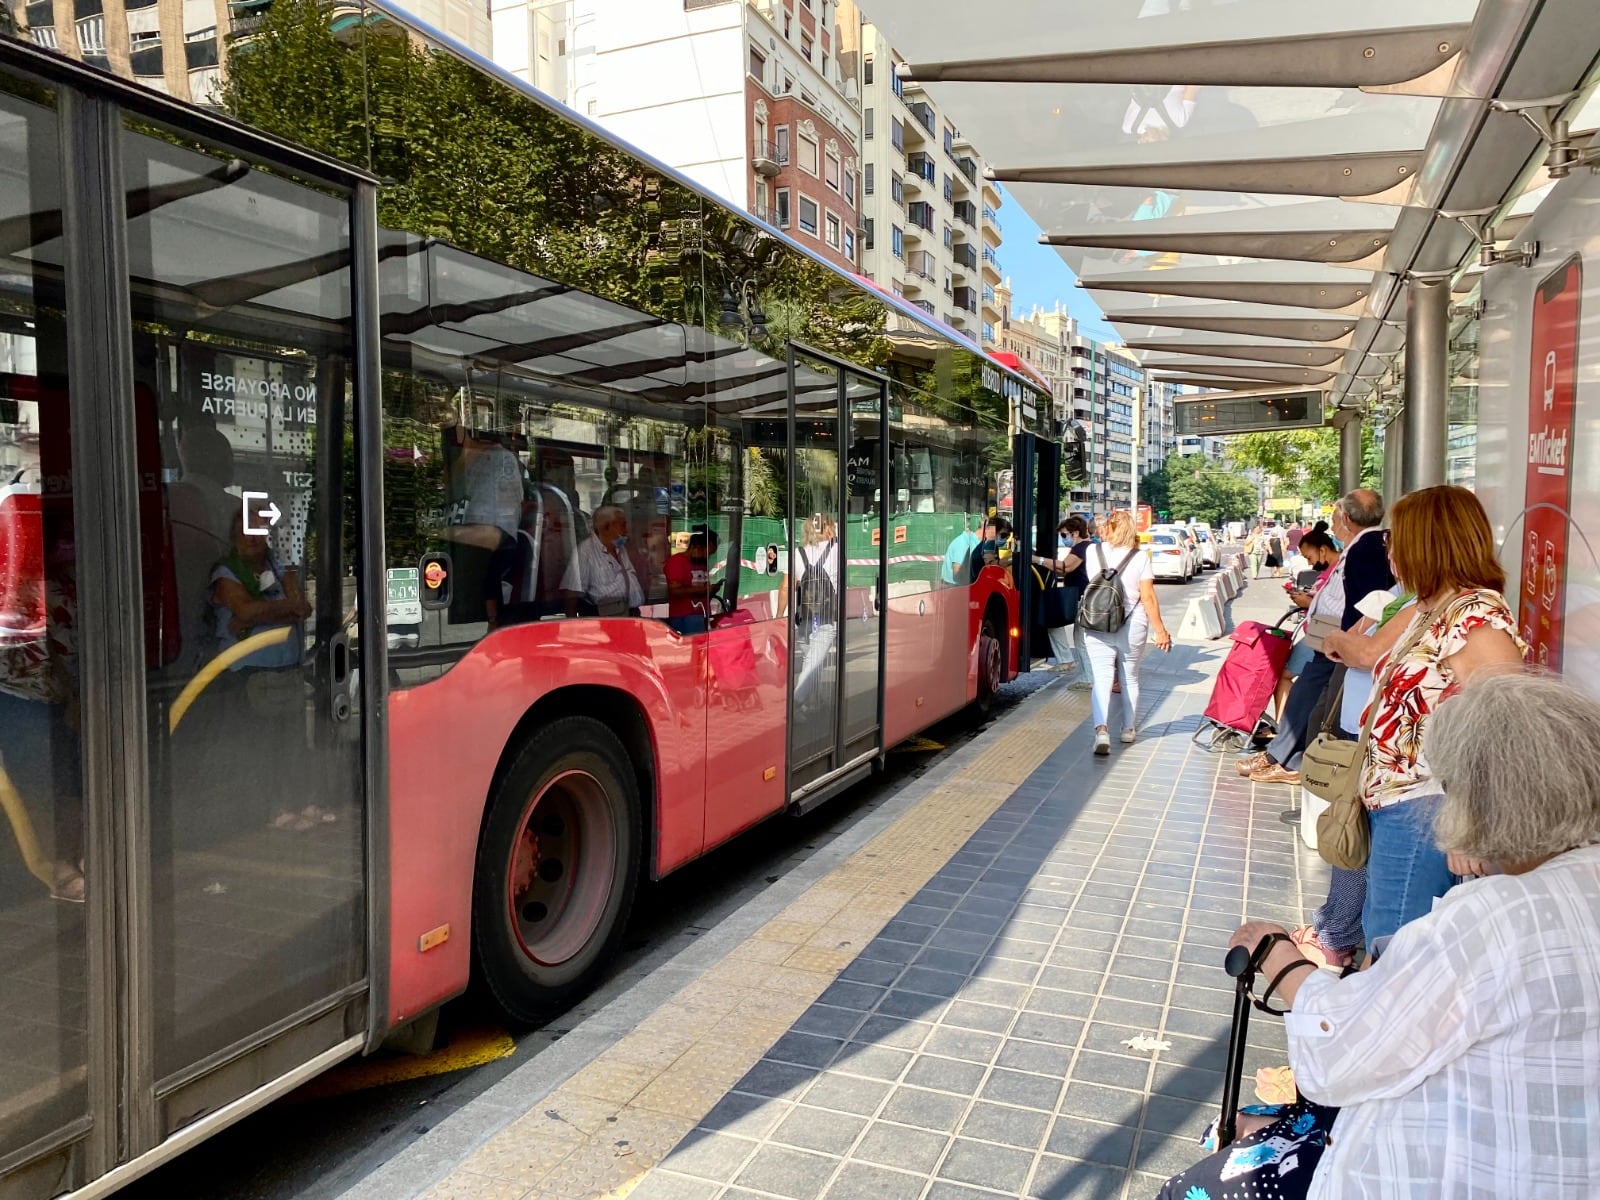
(1350, 453)
(1394, 437)
(1426, 413)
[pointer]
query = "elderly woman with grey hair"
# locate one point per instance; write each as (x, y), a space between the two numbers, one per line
(1466, 1060)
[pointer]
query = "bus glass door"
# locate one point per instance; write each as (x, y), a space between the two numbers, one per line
(246, 871)
(866, 547)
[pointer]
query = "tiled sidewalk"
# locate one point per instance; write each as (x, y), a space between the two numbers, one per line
(1014, 989)
(978, 1046)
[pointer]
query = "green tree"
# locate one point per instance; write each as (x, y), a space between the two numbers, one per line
(1204, 491)
(1305, 461)
(1155, 489)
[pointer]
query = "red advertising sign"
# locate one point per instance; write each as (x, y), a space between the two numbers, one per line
(1551, 395)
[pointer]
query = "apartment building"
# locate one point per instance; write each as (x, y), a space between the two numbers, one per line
(1096, 384)
(930, 232)
(753, 99)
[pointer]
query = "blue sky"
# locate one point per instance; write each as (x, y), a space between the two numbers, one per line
(1039, 276)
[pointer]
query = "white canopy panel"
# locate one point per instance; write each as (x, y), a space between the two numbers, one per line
(1242, 184)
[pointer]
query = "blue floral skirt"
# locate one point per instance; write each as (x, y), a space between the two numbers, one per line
(1274, 1163)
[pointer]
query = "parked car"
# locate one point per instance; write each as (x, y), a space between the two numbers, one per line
(1184, 540)
(1210, 549)
(1169, 558)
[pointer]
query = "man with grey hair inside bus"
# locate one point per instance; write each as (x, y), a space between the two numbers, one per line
(600, 579)
(1463, 1062)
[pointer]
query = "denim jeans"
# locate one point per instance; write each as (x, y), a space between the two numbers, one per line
(1078, 644)
(1109, 652)
(1406, 872)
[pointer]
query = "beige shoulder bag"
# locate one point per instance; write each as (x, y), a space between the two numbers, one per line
(1331, 769)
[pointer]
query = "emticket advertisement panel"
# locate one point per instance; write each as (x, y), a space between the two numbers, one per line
(1547, 492)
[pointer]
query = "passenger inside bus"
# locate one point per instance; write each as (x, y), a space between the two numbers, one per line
(601, 580)
(689, 583)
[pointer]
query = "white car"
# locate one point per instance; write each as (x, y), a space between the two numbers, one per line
(1210, 548)
(1185, 541)
(1169, 558)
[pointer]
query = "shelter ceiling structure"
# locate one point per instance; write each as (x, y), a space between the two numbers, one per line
(1247, 188)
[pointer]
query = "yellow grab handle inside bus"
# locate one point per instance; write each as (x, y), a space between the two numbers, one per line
(22, 830)
(217, 666)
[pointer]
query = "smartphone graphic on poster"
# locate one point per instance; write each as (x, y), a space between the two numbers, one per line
(1552, 396)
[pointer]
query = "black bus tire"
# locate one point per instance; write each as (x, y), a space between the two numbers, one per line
(558, 864)
(991, 650)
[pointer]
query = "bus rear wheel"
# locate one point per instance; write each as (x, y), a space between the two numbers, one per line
(558, 864)
(991, 666)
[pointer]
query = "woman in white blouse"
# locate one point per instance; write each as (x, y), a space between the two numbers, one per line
(1466, 1061)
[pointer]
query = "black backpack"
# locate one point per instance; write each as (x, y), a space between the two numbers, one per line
(815, 594)
(1102, 607)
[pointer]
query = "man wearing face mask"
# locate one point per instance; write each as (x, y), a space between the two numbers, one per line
(600, 579)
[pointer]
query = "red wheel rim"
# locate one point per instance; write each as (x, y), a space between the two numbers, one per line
(563, 868)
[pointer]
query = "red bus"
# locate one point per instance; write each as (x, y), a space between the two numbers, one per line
(498, 522)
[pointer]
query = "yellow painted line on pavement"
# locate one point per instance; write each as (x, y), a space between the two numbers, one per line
(468, 1048)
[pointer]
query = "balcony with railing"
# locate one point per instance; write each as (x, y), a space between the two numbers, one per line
(988, 294)
(920, 212)
(991, 262)
(968, 168)
(967, 212)
(922, 264)
(923, 112)
(768, 158)
(921, 165)
(966, 257)
(926, 306)
(992, 217)
(966, 298)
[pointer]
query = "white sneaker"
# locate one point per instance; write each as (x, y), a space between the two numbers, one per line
(1102, 741)
(1128, 735)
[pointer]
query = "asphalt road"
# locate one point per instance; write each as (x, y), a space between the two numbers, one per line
(320, 1140)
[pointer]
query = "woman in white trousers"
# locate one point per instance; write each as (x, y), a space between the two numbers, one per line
(1119, 551)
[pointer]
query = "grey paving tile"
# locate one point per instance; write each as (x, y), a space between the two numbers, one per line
(1130, 967)
(1113, 1069)
(873, 1062)
(805, 1049)
(1117, 1011)
(902, 1033)
(795, 1174)
(997, 1167)
(769, 1078)
(1068, 1179)
(1020, 949)
(945, 1074)
(987, 1018)
(1060, 1004)
(743, 1114)
(1039, 1058)
(896, 1146)
(959, 961)
(917, 1005)
(1007, 970)
(943, 1189)
(851, 995)
(961, 940)
(1164, 1155)
(887, 950)
(924, 1109)
(714, 1156)
(1039, 1027)
(1104, 922)
(1145, 991)
(872, 971)
(1199, 1024)
(1191, 1083)
(995, 991)
(1068, 980)
(847, 1093)
(827, 1021)
(1006, 1126)
(1176, 1115)
(863, 1181)
(1100, 1103)
(1022, 1089)
(818, 1129)
(1091, 1141)
(966, 1044)
(931, 982)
